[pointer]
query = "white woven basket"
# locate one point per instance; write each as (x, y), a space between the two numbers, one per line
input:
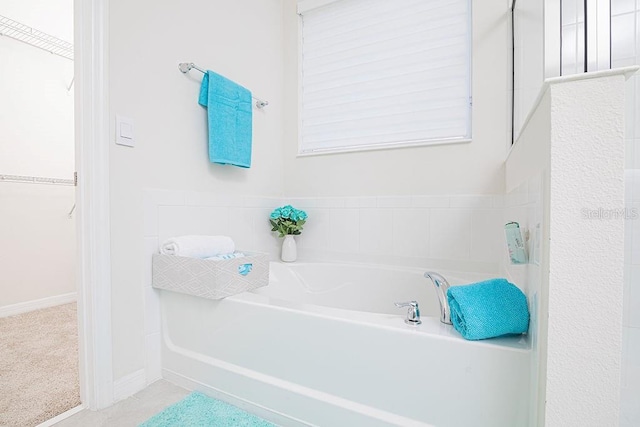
(212, 279)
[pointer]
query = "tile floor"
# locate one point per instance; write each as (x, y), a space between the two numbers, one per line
(132, 411)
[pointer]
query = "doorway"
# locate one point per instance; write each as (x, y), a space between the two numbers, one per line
(38, 315)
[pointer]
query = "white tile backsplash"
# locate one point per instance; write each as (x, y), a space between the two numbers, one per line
(472, 202)
(316, 231)
(265, 240)
(411, 232)
(394, 202)
(241, 227)
(430, 201)
(376, 234)
(400, 226)
(345, 232)
(450, 234)
(487, 235)
(303, 202)
(263, 202)
(632, 299)
(150, 247)
(331, 202)
(151, 310)
(153, 365)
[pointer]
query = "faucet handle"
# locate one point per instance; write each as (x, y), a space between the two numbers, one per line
(407, 304)
(413, 314)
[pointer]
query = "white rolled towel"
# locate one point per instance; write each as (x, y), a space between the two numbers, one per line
(198, 246)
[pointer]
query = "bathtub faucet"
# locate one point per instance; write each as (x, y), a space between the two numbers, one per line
(441, 289)
(413, 315)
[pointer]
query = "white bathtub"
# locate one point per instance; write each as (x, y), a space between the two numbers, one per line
(324, 345)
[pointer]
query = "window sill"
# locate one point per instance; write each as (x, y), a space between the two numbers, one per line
(377, 147)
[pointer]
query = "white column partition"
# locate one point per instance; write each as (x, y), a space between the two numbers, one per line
(574, 139)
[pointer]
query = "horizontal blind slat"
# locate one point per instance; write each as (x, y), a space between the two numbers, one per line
(402, 83)
(385, 76)
(412, 51)
(374, 72)
(386, 27)
(414, 119)
(357, 110)
(359, 11)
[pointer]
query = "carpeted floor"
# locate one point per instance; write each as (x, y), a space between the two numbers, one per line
(38, 365)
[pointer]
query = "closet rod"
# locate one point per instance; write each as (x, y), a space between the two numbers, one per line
(36, 180)
(185, 67)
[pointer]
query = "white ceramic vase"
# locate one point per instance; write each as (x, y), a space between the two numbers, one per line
(289, 250)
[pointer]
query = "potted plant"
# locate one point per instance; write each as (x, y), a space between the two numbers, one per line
(288, 222)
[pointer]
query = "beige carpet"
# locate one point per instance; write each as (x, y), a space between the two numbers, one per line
(38, 365)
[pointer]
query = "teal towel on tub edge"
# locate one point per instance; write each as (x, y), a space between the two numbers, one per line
(230, 120)
(488, 309)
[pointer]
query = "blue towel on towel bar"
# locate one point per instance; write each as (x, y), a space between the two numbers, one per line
(488, 309)
(230, 120)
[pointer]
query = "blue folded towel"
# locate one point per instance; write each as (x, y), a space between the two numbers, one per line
(230, 119)
(488, 309)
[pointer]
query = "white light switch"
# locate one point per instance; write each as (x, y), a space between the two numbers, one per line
(124, 131)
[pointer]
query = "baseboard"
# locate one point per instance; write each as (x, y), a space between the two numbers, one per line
(55, 420)
(129, 385)
(38, 304)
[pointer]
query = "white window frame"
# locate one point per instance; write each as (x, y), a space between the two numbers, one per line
(306, 5)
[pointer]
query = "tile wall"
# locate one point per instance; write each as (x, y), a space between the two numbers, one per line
(630, 415)
(524, 205)
(625, 51)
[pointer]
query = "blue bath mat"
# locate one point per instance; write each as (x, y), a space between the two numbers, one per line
(198, 410)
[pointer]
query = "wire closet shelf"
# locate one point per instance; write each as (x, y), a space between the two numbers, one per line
(36, 180)
(39, 39)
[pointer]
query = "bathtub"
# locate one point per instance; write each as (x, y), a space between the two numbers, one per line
(324, 345)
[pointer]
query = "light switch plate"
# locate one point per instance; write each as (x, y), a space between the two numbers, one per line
(124, 131)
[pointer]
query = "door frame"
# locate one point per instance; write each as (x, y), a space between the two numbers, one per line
(92, 199)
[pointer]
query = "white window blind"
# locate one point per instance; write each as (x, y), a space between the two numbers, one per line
(377, 73)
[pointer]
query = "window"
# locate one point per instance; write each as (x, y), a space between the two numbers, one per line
(380, 73)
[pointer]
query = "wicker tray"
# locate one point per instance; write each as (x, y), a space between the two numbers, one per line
(212, 279)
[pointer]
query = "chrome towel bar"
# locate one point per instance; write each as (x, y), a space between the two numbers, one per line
(185, 67)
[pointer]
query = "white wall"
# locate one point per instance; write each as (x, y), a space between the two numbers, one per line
(241, 40)
(36, 118)
(38, 242)
(171, 156)
(529, 58)
(472, 168)
(36, 115)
